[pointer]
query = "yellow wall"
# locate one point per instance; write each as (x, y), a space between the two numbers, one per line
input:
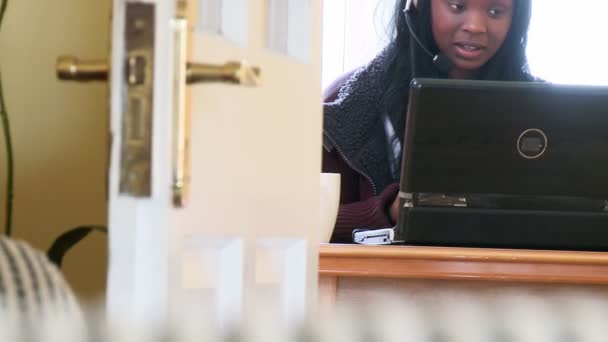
(59, 130)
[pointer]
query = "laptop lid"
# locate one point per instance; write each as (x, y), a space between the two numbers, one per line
(506, 138)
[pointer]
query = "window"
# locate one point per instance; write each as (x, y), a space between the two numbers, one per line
(567, 39)
(353, 33)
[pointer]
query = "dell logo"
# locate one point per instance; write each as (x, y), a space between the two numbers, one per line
(532, 143)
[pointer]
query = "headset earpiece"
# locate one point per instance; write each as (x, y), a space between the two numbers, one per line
(441, 61)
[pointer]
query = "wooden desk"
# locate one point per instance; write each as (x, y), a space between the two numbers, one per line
(351, 273)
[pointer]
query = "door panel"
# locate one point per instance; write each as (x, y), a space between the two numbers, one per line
(249, 227)
(290, 26)
(227, 18)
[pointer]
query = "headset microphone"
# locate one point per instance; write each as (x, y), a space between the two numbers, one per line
(441, 61)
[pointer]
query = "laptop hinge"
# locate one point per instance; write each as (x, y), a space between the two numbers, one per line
(432, 200)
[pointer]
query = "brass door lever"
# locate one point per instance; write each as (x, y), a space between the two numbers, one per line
(240, 73)
(70, 68)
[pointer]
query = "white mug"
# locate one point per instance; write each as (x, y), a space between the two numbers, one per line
(329, 204)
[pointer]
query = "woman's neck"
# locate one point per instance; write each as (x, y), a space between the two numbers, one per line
(462, 74)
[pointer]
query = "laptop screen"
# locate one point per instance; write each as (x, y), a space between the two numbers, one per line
(506, 139)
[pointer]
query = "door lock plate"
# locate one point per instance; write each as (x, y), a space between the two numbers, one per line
(136, 149)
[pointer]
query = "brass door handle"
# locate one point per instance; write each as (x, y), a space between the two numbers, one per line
(70, 68)
(138, 74)
(240, 73)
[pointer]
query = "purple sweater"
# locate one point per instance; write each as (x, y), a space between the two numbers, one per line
(359, 207)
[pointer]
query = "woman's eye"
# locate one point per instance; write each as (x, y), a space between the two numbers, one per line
(457, 7)
(496, 12)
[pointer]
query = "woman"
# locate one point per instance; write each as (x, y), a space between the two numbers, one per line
(364, 121)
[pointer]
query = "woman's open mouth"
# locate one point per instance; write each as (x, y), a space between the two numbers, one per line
(469, 50)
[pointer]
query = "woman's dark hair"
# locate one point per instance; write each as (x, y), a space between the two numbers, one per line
(509, 64)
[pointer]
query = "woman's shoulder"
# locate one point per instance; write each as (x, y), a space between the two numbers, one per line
(538, 79)
(529, 77)
(331, 92)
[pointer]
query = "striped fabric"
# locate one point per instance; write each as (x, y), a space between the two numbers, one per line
(30, 286)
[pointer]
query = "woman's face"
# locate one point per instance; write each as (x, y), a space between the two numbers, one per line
(470, 32)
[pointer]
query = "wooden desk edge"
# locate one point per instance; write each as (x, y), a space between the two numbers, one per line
(463, 254)
(463, 264)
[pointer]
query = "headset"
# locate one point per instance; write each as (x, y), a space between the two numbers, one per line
(441, 61)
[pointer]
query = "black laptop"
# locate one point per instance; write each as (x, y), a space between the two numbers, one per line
(505, 164)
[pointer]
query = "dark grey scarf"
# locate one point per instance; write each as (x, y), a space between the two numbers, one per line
(357, 125)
